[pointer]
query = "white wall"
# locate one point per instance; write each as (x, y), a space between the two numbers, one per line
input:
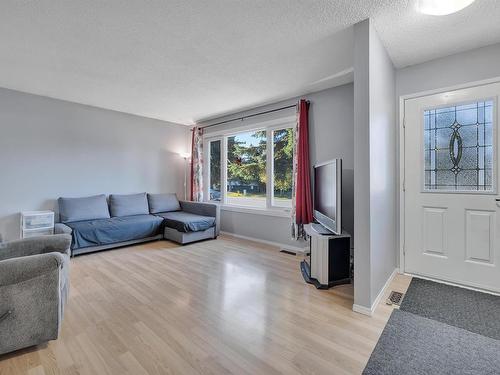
(374, 166)
(51, 148)
(331, 135)
(458, 69)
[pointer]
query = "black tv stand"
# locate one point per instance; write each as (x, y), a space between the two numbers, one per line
(320, 229)
(329, 261)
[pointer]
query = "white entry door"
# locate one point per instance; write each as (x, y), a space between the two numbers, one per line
(451, 211)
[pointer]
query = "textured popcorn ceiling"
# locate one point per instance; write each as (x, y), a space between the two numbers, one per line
(186, 60)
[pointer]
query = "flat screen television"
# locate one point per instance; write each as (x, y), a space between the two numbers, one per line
(328, 195)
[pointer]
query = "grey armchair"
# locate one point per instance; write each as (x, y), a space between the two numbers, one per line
(34, 287)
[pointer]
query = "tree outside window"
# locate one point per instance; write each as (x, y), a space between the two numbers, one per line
(246, 169)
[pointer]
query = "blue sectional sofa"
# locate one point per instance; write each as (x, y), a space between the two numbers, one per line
(96, 224)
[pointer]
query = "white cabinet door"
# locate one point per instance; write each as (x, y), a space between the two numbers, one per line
(452, 224)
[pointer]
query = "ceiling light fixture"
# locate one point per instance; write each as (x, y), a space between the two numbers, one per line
(441, 7)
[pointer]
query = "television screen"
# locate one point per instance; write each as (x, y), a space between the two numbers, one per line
(327, 195)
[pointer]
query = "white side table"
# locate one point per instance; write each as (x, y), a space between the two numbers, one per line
(37, 223)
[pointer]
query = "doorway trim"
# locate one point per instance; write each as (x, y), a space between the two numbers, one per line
(401, 156)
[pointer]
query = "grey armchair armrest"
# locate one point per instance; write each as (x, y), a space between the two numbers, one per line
(204, 209)
(60, 243)
(18, 270)
(61, 228)
(34, 287)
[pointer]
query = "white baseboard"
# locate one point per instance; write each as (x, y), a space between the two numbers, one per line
(272, 243)
(369, 311)
(362, 310)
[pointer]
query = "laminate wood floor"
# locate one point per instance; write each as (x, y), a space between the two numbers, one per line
(227, 306)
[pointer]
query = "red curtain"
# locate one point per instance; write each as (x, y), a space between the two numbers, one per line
(303, 200)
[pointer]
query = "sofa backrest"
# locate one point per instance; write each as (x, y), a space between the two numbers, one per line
(85, 208)
(163, 203)
(128, 205)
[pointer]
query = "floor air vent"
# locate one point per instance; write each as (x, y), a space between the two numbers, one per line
(289, 252)
(395, 298)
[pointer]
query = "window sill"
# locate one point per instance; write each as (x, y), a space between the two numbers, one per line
(276, 212)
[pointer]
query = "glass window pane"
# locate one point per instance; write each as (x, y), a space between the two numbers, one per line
(458, 147)
(246, 169)
(283, 167)
(467, 116)
(470, 135)
(215, 169)
(444, 119)
(442, 137)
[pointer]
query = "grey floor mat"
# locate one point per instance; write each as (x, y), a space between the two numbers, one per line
(411, 344)
(474, 311)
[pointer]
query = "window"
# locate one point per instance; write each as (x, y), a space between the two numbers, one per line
(246, 169)
(458, 147)
(215, 169)
(252, 168)
(283, 167)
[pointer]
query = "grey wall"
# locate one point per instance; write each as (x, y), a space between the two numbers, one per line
(51, 148)
(362, 163)
(475, 65)
(268, 228)
(377, 88)
(383, 183)
(374, 165)
(331, 136)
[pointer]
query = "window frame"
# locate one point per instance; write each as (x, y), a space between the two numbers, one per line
(271, 157)
(222, 135)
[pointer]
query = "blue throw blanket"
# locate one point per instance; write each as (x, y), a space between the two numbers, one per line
(113, 230)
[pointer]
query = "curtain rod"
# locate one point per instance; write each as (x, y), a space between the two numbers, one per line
(252, 115)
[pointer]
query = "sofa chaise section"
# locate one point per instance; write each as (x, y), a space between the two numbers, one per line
(185, 222)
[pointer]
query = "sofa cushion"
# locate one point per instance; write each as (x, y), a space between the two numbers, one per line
(163, 203)
(114, 230)
(128, 205)
(187, 222)
(85, 208)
